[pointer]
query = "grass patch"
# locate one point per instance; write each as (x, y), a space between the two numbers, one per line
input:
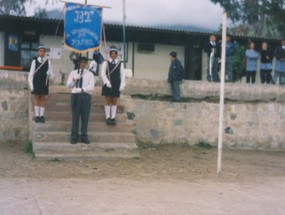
(56, 160)
(28, 148)
(203, 144)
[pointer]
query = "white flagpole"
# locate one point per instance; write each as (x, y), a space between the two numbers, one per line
(222, 87)
(124, 31)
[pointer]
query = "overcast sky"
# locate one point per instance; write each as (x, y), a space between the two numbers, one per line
(200, 13)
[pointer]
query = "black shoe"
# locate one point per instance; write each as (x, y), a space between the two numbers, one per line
(37, 119)
(86, 141)
(73, 141)
(113, 121)
(42, 119)
(108, 121)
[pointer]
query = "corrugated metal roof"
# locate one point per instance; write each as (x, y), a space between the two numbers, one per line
(168, 29)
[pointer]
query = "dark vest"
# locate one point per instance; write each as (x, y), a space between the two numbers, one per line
(116, 74)
(41, 73)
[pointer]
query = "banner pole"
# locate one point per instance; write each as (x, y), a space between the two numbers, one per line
(222, 89)
(124, 31)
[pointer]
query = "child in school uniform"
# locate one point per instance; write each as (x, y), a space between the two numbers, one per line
(113, 78)
(40, 73)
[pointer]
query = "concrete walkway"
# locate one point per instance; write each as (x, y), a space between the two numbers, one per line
(23, 196)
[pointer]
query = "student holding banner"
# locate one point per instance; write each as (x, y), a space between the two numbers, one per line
(113, 78)
(82, 83)
(40, 73)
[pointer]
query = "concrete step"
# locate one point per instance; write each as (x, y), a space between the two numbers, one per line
(75, 156)
(93, 151)
(62, 97)
(94, 117)
(57, 147)
(65, 106)
(50, 126)
(51, 139)
(66, 97)
(94, 137)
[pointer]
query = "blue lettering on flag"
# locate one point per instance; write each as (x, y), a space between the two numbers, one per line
(82, 29)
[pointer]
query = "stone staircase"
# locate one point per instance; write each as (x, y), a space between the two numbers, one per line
(51, 139)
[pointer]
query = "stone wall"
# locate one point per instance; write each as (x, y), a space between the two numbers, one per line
(14, 106)
(254, 115)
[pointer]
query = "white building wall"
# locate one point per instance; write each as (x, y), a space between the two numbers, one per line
(2, 48)
(154, 65)
(148, 65)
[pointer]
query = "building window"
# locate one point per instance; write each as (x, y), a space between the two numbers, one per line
(28, 53)
(28, 49)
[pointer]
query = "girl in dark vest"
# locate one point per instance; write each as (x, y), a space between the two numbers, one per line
(113, 78)
(40, 73)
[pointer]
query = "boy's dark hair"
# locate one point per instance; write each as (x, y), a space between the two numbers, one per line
(173, 54)
(85, 59)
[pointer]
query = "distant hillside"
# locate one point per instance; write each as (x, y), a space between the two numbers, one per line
(184, 28)
(55, 14)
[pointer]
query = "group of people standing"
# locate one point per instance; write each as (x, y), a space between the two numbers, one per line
(266, 55)
(82, 82)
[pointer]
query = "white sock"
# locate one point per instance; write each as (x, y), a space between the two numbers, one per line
(114, 111)
(107, 111)
(42, 111)
(37, 111)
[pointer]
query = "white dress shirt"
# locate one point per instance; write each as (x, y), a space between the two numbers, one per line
(93, 66)
(88, 81)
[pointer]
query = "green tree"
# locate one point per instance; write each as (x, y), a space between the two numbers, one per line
(238, 67)
(256, 17)
(13, 7)
(41, 13)
(17, 7)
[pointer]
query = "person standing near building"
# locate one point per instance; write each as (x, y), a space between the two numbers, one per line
(82, 83)
(212, 48)
(251, 63)
(175, 76)
(113, 77)
(231, 48)
(40, 73)
(266, 57)
(279, 54)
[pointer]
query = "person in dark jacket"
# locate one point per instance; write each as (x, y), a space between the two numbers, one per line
(266, 64)
(175, 76)
(279, 54)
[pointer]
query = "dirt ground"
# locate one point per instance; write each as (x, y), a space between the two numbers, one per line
(252, 182)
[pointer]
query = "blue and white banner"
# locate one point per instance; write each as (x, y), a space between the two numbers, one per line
(82, 28)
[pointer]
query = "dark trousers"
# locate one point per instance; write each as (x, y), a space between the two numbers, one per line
(281, 76)
(213, 72)
(229, 69)
(265, 76)
(250, 75)
(175, 88)
(80, 107)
